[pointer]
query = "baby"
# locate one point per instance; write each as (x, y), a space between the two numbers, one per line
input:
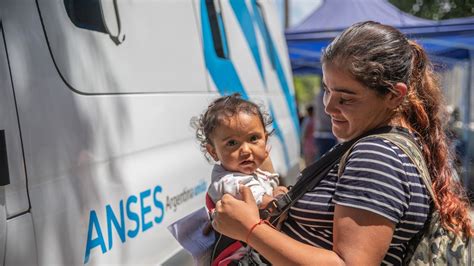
(233, 132)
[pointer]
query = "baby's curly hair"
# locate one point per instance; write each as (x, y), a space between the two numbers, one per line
(221, 108)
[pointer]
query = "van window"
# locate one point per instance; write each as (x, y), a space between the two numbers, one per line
(116, 47)
(217, 28)
(85, 14)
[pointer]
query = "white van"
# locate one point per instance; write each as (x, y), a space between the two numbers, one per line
(96, 151)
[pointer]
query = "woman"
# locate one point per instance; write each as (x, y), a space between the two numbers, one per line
(373, 77)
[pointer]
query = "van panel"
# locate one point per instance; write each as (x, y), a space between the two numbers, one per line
(21, 247)
(108, 171)
(15, 195)
(159, 53)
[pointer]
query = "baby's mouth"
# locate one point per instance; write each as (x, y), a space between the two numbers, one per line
(246, 162)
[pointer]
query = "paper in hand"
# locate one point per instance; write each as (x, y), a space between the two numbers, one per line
(188, 231)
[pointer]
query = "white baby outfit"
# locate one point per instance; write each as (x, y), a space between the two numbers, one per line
(223, 181)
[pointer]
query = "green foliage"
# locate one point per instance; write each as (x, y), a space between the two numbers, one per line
(306, 87)
(436, 9)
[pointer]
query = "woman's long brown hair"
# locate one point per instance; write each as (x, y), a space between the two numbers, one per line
(426, 115)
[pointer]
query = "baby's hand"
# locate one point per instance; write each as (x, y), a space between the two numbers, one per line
(279, 191)
(265, 200)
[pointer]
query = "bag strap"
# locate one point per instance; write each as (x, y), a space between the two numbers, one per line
(408, 145)
(405, 142)
(313, 174)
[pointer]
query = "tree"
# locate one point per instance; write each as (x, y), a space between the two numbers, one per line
(306, 87)
(436, 9)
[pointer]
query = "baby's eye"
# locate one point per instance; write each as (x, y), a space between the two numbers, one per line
(231, 143)
(254, 138)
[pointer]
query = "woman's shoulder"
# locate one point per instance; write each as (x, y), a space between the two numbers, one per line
(376, 146)
(380, 154)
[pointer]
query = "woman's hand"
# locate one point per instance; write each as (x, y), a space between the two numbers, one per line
(234, 217)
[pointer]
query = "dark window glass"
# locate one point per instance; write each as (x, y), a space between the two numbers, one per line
(86, 14)
(217, 29)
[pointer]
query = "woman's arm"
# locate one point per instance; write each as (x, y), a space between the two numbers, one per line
(235, 218)
(361, 237)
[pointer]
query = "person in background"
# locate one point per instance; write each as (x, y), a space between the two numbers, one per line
(307, 143)
(374, 77)
(323, 137)
(455, 137)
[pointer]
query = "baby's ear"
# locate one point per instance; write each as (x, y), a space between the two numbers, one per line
(212, 151)
(267, 150)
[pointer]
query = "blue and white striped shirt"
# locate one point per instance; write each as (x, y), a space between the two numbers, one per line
(379, 178)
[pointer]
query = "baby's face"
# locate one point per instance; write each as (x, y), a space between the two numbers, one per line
(239, 143)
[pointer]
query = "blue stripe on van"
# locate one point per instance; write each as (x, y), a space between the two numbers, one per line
(271, 50)
(279, 135)
(246, 24)
(222, 70)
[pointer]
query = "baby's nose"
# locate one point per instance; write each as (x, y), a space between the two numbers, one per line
(245, 148)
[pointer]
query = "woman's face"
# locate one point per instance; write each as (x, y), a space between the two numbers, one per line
(354, 108)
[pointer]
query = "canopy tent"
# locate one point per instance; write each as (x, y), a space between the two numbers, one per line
(444, 40)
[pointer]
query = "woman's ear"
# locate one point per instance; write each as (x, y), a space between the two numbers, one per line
(212, 151)
(398, 94)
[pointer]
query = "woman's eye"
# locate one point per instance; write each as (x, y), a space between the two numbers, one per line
(325, 96)
(343, 100)
(325, 89)
(231, 143)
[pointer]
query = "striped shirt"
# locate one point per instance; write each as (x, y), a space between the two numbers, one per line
(379, 178)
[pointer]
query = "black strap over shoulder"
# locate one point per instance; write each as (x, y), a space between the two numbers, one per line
(315, 172)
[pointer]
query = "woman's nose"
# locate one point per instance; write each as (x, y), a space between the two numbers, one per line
(329, 102)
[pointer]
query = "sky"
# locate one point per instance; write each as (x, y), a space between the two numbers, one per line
(299, 9)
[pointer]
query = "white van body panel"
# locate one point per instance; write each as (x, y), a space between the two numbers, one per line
(100, 151)
(21, 246)
(15, 194)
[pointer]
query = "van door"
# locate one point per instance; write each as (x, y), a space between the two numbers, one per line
(14, 203)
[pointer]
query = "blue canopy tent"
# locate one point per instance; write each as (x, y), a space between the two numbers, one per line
(452, 38)
(447, 43)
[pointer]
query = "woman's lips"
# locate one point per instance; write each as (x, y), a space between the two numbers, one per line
(335, 121)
